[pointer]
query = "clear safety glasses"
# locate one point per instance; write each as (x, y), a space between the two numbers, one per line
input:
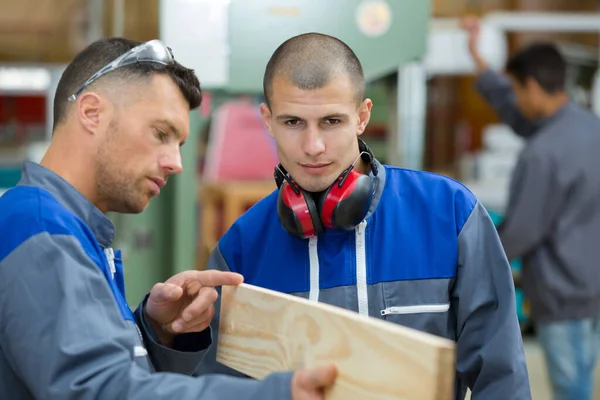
(153, 51)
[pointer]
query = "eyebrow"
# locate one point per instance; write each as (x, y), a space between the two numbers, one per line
(329, 116)
(170, 127)
(336, 116)
(287, 116)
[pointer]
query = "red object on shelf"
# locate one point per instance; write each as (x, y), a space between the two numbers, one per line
(239, 147)
(23, 109)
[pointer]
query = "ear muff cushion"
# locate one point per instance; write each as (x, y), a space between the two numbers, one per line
(345, 207)
(295, 212)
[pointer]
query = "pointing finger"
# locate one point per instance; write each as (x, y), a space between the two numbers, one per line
(193, 281)
(210, 278)
(220, 278)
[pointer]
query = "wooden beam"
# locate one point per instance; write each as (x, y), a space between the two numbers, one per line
(263, 331)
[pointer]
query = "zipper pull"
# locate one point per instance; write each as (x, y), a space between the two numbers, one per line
(110, 257)
(387, 311)
(362, 226)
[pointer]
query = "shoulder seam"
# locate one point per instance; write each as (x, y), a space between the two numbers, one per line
(470, 213)
(435, 174)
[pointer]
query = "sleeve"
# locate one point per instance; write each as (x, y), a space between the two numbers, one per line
(64, 336)
(187, 352)
(209, 364)
(496, 90)
(533, 204)
(489, 357)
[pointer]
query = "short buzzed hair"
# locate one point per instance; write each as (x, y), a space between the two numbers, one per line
(309, 61)
(100, 53)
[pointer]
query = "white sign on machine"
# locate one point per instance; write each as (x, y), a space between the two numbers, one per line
(196, 31)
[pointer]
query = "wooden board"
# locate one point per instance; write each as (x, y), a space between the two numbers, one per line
(263, 331)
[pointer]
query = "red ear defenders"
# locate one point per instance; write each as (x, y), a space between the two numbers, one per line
(343, 205)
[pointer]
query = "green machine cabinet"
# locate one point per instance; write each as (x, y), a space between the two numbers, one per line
(384, 34)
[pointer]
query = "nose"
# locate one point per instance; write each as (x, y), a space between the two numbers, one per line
(171, 162)
(313, 143)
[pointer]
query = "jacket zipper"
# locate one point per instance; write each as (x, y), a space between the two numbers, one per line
(110, 257)
(139, 351)
(361, 270)
(314, 269)
(422, 308)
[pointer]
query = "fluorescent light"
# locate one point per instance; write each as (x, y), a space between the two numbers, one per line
(24, 79)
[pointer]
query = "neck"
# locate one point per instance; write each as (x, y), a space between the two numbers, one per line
(70, 159)
(553, 104)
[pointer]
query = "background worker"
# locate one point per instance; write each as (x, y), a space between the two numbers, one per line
(552, 221)
(121, 113)
(409, 247)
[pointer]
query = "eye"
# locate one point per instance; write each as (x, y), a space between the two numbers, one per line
(332, 121)
(292, 122)
(162, 136)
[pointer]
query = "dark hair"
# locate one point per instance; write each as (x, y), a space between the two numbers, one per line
(310, 60)
(542, 62)
(102, 52)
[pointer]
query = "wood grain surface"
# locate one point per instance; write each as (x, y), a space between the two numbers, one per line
(263, 331)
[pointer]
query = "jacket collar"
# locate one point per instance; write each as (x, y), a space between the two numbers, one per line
(34, 174)
(379, 181)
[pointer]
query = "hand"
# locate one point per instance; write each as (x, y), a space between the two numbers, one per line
(472, 25)
(310, 384)
(185, 302)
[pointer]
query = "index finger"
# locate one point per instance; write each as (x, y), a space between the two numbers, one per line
(218, 278)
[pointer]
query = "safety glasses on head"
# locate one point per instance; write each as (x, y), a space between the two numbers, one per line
(153, 51)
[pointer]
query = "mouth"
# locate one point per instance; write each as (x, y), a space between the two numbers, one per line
(156, 184)
(315, 169)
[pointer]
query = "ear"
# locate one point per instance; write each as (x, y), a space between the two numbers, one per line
(364, 115)
(90, 107)
(266, 115)
(533, 87)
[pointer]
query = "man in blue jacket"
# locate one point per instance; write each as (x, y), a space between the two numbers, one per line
(121, 113)
(409, 247)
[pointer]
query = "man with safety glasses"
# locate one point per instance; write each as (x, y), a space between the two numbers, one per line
(121, 113)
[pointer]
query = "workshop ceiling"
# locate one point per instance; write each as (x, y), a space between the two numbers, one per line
(53, 31)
